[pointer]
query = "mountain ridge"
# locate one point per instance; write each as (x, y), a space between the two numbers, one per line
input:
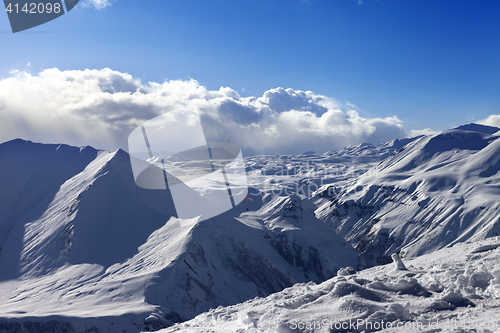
(438, 190)
(80, 240)
(100, 246)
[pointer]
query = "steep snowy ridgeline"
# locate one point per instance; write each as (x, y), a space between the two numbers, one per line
(437, 191)
(30, 176)
(85, 245)
(452, 290)
(232, 260)
(99, 216)
(80, 240)
(304, 241)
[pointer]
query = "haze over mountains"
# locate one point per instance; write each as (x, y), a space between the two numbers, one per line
(80, 240)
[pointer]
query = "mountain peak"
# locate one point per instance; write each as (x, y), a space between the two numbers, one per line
(478, 128)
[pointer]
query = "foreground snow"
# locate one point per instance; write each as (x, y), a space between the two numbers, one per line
(455, 289)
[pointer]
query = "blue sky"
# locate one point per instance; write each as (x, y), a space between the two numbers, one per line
(433, 64)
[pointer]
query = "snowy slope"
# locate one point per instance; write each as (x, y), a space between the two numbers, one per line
(479, 128)
(451, 290)
(83, 248)
(80, 240)
(31, 174)
(437, 191)
(261, 252)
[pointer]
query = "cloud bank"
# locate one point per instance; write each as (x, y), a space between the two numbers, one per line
(425, 131)
(493, 120)
(101, 107)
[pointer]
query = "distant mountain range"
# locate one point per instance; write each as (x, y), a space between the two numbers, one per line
(82, 247)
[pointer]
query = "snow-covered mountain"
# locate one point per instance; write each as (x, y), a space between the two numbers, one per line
(452, 290)
(435, 192)
(79, 240)
(309, 172)
(83, 248)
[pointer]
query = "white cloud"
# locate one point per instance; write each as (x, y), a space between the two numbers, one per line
(101, 108)
(98, 4)
(425, 131)
(493, 120)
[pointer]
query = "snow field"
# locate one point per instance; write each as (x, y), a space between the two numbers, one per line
(452, 290)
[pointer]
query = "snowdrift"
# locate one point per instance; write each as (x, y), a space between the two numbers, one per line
(451, 290)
